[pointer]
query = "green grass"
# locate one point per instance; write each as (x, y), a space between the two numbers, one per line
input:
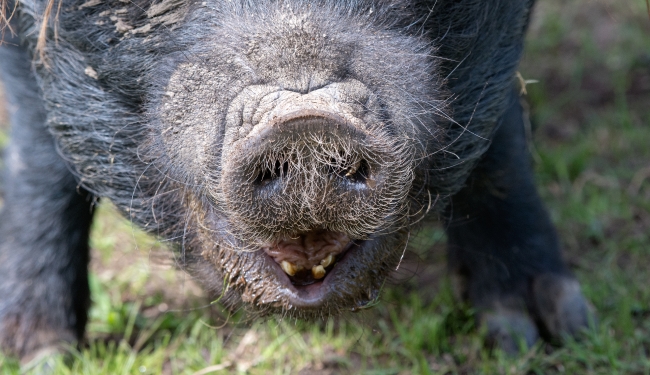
(591, 115)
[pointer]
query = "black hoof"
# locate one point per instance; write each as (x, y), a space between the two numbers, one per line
(560, 307)
(555, 309)
(509, 329)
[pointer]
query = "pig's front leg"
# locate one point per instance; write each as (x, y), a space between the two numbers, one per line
(503, 245)
(44, 225)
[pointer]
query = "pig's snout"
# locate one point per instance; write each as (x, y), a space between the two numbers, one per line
(310, 142)
(294, 163)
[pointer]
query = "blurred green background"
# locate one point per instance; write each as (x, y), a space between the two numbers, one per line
(590, 111)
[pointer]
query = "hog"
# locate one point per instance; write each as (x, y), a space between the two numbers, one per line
(286, 148)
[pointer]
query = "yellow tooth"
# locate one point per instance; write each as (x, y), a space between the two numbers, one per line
(289, 268)
(318, 272)
(327, 261)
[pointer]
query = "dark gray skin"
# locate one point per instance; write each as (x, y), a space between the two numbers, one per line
(261, 137)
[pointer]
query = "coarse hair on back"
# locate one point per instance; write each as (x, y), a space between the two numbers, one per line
(8, 10)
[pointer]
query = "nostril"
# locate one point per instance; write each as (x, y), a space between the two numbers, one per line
(358, 173)
(267, 175)
(264, 176)
(285, 168)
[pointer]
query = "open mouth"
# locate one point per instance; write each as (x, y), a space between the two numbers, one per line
(316, 273)
(309, 257)
(317, 269)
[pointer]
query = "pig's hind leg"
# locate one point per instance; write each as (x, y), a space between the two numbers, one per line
(506, 251)
(44, 225)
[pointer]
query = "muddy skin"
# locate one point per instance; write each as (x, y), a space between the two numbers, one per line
(287, 148)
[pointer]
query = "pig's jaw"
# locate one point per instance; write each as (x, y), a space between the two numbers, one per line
(250, 274)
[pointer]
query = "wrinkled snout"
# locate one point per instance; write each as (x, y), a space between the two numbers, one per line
(312, 162)
(307, 151)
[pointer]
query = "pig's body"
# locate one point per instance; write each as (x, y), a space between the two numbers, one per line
(286, 147)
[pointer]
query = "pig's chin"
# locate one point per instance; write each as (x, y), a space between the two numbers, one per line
(354, 272)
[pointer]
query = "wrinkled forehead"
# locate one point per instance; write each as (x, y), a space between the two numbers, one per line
(300, 45)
